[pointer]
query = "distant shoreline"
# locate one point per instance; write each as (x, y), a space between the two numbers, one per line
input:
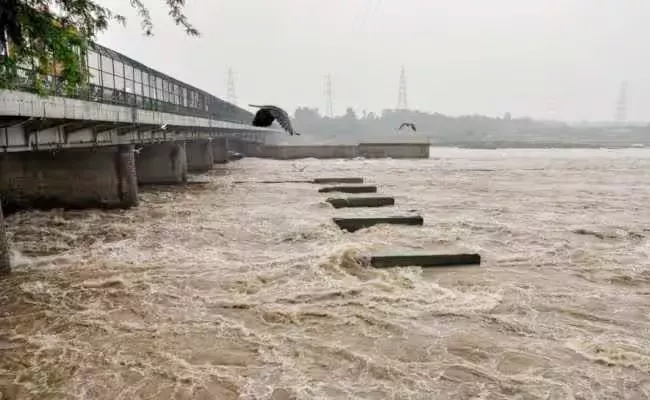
(547, 145)
(576, 143)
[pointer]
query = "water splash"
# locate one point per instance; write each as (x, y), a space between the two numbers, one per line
(249, 292)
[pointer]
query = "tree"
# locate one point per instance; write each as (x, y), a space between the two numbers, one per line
(48, 42)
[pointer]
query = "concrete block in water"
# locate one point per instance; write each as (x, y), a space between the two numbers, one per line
(418, 148)
(424, 259)
(349, 189)
(338, 180)
(354, 224)
(361, 202)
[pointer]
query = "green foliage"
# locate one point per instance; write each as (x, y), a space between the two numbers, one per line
(175, 12)
(44, 50)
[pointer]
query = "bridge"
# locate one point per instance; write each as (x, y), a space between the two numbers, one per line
(130, 125)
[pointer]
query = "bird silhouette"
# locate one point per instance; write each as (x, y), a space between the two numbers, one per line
(267, 114)
(408, 124)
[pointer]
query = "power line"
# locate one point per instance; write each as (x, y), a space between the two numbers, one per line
(329, 105)
(402, 98)
(232, 96)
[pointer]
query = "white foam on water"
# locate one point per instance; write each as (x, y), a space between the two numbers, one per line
(249, 291)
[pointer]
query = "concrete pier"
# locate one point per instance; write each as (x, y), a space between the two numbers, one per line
(74, 178)
(394, 149)
(349, 189)
(338, 180)
(199, 155)
(220, 150)
(126, 176)
(355, 224)
(162, 163)
(234, 144)
(378, 149)
(378, 201)
(5, 265)
(424, 259)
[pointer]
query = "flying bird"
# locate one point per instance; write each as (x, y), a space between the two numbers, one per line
(408, 124)
(267, 114)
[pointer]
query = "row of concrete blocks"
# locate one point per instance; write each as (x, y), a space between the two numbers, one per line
(103, 177)
(391, 259)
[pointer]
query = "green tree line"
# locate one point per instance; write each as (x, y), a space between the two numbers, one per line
(467, 130)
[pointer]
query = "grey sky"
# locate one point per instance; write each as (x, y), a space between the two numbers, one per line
(560, 59)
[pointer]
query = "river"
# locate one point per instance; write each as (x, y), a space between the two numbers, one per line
(248, 291)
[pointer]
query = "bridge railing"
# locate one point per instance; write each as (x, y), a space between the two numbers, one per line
(114, 78)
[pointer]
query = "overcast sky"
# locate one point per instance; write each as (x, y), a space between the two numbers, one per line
(554, 59)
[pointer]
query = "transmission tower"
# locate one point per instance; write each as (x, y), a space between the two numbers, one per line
(232, 96)
(621, 105)
(329, 106)
(402, 99)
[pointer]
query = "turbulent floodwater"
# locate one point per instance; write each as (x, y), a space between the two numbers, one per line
(248, 291)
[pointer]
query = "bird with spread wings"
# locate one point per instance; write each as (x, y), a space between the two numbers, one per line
(267, 114)
(409, 125)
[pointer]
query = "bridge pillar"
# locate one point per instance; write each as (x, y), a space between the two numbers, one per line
(70, 178)
(220, 150)
(126, 176)
(162, 163)
(252, 149)
(234, 144)
(199, 155)
(5, 265)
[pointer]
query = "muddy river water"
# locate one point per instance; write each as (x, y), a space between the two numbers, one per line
(248, 291)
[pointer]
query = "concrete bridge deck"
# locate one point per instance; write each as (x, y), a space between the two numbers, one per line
(129, 125)
(31, 122)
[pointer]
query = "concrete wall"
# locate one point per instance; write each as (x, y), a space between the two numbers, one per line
(162, 163)
(290, 152)
(199, 155)
(368, 150)
(77, 178)
(394, 150)
(253, 149)
(220, 150)
(318, 151)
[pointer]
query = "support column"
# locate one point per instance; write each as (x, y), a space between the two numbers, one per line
(5, 265)
(234, 144)
(126, 176)
(162, 164)
(70, 178)
(220, 150)
(252, 149)
(199, 155)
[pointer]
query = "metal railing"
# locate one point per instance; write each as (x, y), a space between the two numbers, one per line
(114, 78)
